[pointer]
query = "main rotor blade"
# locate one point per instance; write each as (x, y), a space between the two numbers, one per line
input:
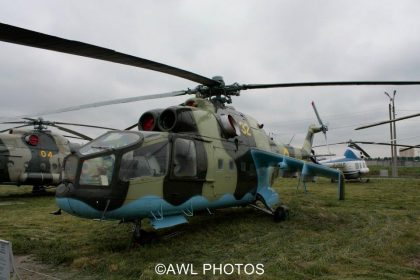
(366, 143)
(32, 119)
(357, 147)
(131, 126)
(384, 144)
(108, 102)
(331, 144)
(42, 122)
(85, 125)
(405, 149)
(1, 131)
(72, 132)
(325, 84)
(17, 122)
(385, 122)
(21, 36)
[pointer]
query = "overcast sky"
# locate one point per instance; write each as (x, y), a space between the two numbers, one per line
(243, 41)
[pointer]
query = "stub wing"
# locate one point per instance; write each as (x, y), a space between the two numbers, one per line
(264, 162)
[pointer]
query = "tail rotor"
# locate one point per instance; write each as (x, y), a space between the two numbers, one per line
(324, 127)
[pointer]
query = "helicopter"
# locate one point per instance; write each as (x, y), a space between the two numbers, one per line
(35, 157)
(200, 155)
(352, 163)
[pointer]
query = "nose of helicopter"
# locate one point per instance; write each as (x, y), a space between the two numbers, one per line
(74, 206)
(61, 198)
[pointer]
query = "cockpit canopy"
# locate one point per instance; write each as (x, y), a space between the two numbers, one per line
(125, 154)
(111, 140)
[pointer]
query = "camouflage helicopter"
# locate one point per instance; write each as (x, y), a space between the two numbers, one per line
(197, 156)
(35, 157)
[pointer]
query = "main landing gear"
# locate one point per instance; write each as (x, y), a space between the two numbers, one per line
(140, 236)
(280, 213)
(38, 190)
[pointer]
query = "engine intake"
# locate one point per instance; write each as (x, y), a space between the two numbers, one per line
(229, 126)
(177, 119)
(149, 120)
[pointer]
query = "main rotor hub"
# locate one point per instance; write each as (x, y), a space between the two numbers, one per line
(218, 94)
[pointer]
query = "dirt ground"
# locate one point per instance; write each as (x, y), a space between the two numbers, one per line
(27, 268)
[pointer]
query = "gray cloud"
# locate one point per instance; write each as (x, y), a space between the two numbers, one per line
(244, 41)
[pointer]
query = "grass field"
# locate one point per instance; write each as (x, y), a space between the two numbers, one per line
(403, 171)
(373, 234)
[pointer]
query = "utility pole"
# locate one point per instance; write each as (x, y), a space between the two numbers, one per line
(392, 126)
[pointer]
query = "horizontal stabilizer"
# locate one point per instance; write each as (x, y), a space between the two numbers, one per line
(168, 221)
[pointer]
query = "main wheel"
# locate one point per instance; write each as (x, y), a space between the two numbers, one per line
(280, 214)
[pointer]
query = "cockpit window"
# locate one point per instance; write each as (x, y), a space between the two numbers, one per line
(70, 168)
(97, 171)
(151, 160)
(110, 140)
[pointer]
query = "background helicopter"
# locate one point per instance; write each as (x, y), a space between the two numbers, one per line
(201, 155)
(35, 157)
(352, 163)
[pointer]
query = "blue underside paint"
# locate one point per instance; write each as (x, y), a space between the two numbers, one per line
(168, 221)
(153, 207)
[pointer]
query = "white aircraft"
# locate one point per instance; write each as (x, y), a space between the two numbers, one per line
(352, 164)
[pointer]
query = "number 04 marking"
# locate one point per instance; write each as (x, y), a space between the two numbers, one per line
(45, 154)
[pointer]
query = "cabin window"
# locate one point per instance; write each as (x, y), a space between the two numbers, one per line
(231, 165)
(243, 166)
(220, 164)
(185, 158)
(151, 160)
(97, 171)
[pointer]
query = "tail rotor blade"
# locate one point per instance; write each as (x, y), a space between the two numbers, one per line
(323, 126)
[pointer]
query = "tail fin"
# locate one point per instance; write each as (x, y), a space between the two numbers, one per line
(307, 144)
